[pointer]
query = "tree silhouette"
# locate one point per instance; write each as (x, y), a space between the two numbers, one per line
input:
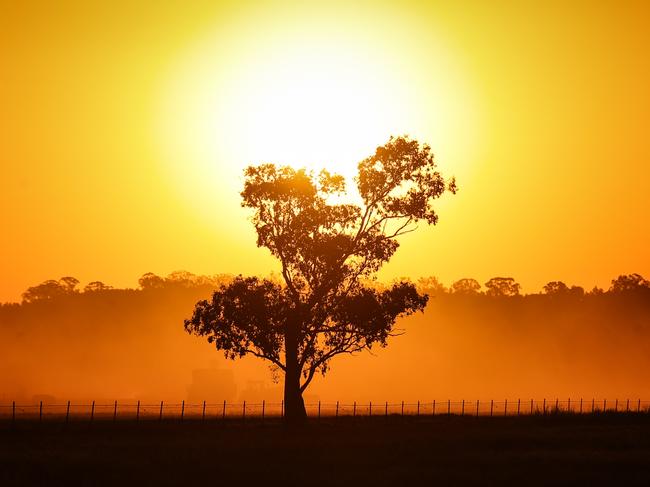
(151, 281)
(95, 286)
(629, 282)
(466, 286)
(51, 289)
(431, 286)
(502, 286)
(327, 249)
(555, 288)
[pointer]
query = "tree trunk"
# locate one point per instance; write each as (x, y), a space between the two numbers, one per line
(294, 406)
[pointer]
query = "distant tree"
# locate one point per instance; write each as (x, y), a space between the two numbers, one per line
(182, 278)
(576, 291)
(555, 288)
(431, 286)
(151, 281)
(51, 289)
(502, 286)
(69, 283)
(327, 249)
(466, 286)
(629, 282)
(558, 288)
(95, 286)
(596, 291)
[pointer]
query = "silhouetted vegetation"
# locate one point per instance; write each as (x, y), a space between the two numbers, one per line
(327, 251)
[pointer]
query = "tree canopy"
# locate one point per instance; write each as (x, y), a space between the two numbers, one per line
(328, 248)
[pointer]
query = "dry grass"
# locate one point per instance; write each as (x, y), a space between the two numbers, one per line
(559, 449)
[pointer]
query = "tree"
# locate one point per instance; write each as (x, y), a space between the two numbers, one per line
(431, 286)
(51, 289)
(466, 286)
(95, 286)
(502, 286)
(555, 288)
(629, 282)
(327, 249)
(151, 281)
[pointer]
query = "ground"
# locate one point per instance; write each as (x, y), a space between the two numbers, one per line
(601, 449)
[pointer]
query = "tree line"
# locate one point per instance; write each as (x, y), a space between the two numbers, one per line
(495, 287)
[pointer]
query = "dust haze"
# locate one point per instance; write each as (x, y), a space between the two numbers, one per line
(130, 344)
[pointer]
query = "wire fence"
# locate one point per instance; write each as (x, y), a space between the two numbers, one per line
(261, 411)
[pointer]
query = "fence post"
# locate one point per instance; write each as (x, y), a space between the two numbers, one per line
(318, 409)
(161, 411)
(40, 412)
(544, 407)
(462, 409)
(477, 408)
(604, 405)
(531, 406)
(386, 409)
(92, 412)
(115, 411)
(223, 413)
(580, 405)
(264, 407)
(243, 412)
(354, 409)
(203, 413)
(13, 412)
(418, 413)
(182, 410)
(518, 406)
(448, 407)
(616, 406)
(433, 408)
(67, 412)
(627, 406)
(137, 412)
(638, 406)
(402, 408)
(593, 405)
(505, 408)
(557, 408)
(491, 406)
(370, 409)
(337, 410)
(568, 408)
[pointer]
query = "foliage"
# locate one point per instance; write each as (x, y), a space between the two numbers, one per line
(629, 282)
(431, 286)
(327, 250)
(96, 286)
(51, 289)
(466, 286)
(502, 286)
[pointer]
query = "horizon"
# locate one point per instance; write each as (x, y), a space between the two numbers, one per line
(213, 281)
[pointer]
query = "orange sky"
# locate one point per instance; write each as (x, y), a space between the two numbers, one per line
(124, 130)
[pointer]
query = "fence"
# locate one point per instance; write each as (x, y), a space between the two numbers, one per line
(260, 411)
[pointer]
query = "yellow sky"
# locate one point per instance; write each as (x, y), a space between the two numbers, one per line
(124, 130)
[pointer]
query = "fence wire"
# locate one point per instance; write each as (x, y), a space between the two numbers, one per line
(210, 411)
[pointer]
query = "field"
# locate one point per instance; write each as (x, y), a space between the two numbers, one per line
(557, 449)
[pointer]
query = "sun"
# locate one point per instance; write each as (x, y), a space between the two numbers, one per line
(318, 105)
(315, 105)
(310, 98)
